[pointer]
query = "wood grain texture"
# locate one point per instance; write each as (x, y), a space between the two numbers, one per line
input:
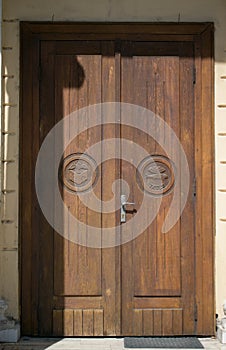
(110, 262)
(57, 322)
(188, 215)
(158, 322)
(68, 322)
(98, 321)
(87, 323)
(154, 264)
(80, 267)
(204, 177)
(44, 232)
(78, 322)
(69, 257)
(25, 174)
(69, 289)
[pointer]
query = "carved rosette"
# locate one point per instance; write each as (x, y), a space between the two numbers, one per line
(79, 172)
(155, 175)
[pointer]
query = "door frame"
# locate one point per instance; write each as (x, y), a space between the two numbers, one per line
(201, 34)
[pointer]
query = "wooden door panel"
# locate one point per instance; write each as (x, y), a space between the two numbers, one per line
(81, 300)
(156, 264)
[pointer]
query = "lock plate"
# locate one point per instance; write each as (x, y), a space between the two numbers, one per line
(123, 212)
(123, 207)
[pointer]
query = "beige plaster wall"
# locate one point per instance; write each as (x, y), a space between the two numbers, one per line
(99, 10)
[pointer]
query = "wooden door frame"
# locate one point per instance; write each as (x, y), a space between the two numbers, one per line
(201, 34)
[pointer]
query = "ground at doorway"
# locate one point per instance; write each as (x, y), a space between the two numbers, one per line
(86, 344)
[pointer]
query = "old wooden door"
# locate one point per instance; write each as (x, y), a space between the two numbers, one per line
(148, 285)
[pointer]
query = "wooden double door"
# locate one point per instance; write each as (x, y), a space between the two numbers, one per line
(149, 284)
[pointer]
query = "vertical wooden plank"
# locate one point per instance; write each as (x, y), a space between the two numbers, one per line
(159, 248)
(57, 322)
(110, 261)
(137, 322)
(68, 322)
(98, 321)
(118, 189)
(61, 108)
(148, 322)
(45, 234)
(204, 137)
(26, 191)
(178, 322)
(78, 323)
(35, 206)
(144, 254)
(127, 173)
(157, 322)
(167, 322)
(188, 215)
(198, 184)
(87, 322)
(172, 240)
(89, 263)
(207, 295)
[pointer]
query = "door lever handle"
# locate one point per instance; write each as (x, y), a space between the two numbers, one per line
(124, 203)
(127, 203)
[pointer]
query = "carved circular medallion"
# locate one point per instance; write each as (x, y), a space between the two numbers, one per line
(79, 172)
(155, 175)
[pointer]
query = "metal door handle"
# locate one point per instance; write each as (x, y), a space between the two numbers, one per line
(123, 207)
(127, 203)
